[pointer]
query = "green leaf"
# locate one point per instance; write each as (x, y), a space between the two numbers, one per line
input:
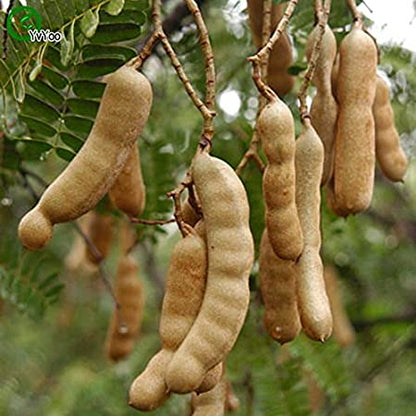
(20, 87)
(111, 33)
(87, 108)
(56, 79)
(65, 154)
(74, 142)
(89, 23)
(94, 51)
(79, 125)
(37, 69)
(88, 88)
(114, 7)
(37, 126)
(67, 45)
(34, 107)
(97, 67)
(47, 92)
(31, 149)
(11, 157)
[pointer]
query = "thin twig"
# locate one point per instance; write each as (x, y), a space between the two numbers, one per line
(5, 33)
(151, 222)
(145, 52)
(322, 17)
(355, 13)
(264, 52)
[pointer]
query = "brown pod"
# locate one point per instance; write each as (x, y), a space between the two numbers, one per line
(334, 77)
(277, 132)
(189, 214)
(100, 233)
(232, 402)
(355, 139)
(324, 108)
(281, 56)
(185, 287)
(278, 290)
(122, 115)
(211, 403)
(343, 330)
(230, 259)
(125, 322)
(128, 192)
(390, 155)
(313, 303)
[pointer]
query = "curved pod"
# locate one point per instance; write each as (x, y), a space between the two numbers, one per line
(230, 258)
(122, 115)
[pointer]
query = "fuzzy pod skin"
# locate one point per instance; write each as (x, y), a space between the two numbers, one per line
(313, 303)
(100, 233)
(324, 108)
(281, 56)
(278, 290)
(122, 115)
(128, 192)
(185, 288)
(355, 139)
(125, 322)
(230, 259)
(343, 330)
(277, 132)
(211, 403)
(390, 155)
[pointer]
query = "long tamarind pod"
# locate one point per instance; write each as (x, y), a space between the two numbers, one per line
(128, 192)
(278, 290)
(343, 330)
(185, 287)
(313, 303)
(230, 258)
(100, 233)
(121, 117)
(125, 322)
(355, 139)
(211, 403)
(281, 56)
(276, 129)
(389, 153)
(324, 108)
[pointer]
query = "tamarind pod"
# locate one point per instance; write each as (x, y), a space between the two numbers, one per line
(278, 290)
(189, 215)
(343, 330)
(334, 77)
(121, 117)
(211, 403)
(127, 236)
(230, 258)
(125, 322)
(277, 132)
(355, 139)
(332, 202)
(100, 233)
(128, 192)
(389, 153)
(281, 55)
(324, 108)
(185, 287)
(313, 303)
(232, 402)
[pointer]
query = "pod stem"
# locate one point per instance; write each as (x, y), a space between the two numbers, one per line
(357, 16)
(322, 13)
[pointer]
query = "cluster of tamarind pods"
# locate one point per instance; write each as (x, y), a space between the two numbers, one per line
(207, 286)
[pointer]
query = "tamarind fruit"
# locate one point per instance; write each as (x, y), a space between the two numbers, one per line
(313, 303)
(100, 233)
(230, 258)
(210, 403)
(232, 402)
(334, 77)
(189, 214)
(389, 153)
(278, 290)
(277, 132)
(125, 322)
(355, 139)
(128, 192)
(281, 55)
(343, 330)
(324, 108)
(185, 287)
(121, 117)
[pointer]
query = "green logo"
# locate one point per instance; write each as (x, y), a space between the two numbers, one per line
(21, 20)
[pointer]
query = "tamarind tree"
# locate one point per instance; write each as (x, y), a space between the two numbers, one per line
(209, 85)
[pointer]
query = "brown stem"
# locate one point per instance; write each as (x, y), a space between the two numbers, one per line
(150, 222)
(355, 13)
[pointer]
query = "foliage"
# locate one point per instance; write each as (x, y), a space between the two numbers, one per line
(52, 356)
